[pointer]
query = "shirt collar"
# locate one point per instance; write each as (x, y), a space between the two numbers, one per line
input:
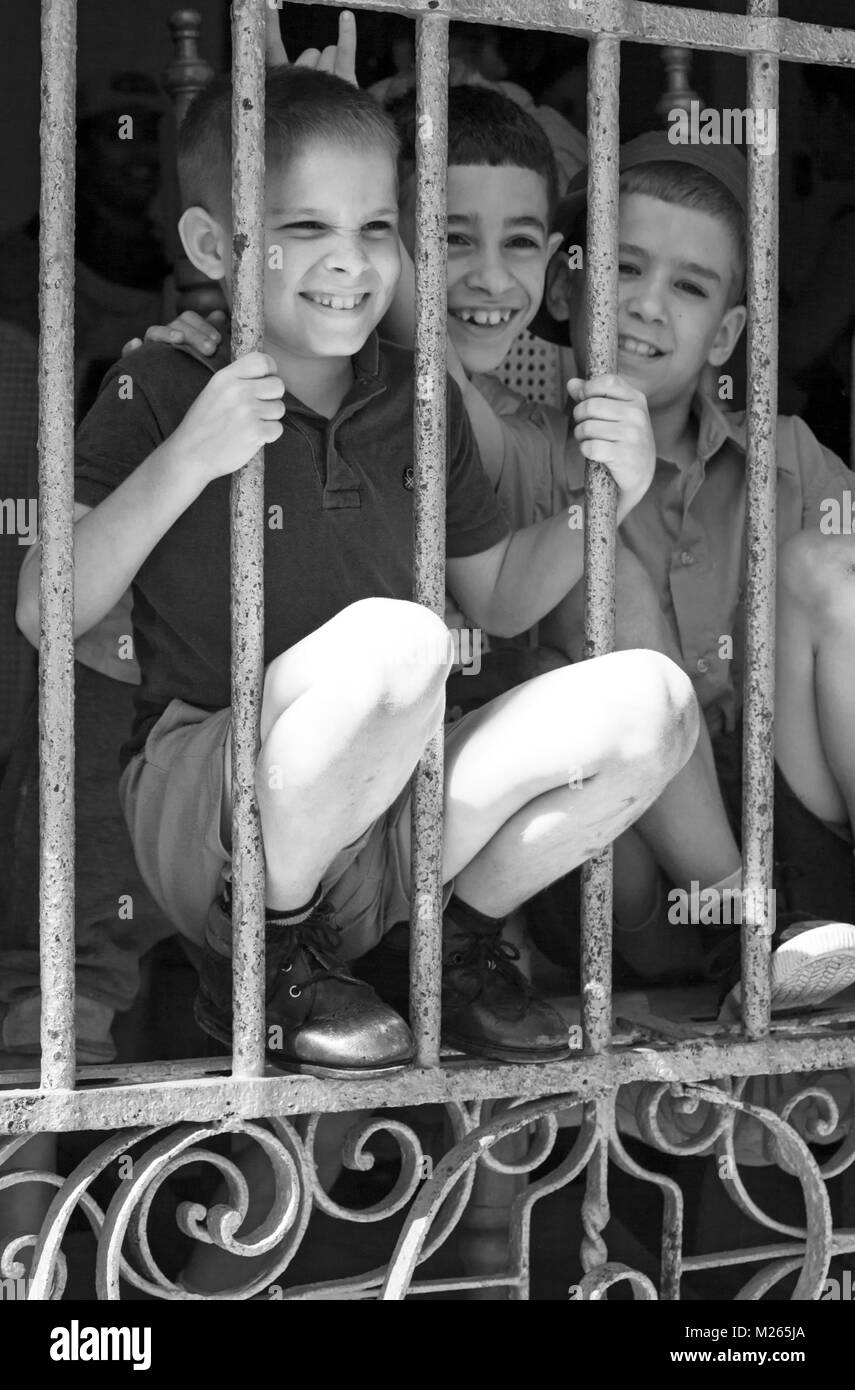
(716, 427)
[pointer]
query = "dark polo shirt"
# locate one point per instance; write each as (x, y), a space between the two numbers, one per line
(338, 506)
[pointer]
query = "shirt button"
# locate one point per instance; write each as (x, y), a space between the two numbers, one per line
(687, 558)
(703, 666)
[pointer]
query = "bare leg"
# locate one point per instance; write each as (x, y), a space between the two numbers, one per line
(556, 768)
(686, 832)
(815, 673)
(345, 716)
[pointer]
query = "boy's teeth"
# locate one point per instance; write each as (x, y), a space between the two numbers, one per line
(337, 301)
(635, 346)
(486, 318)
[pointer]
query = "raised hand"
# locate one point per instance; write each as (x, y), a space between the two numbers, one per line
(338, 58)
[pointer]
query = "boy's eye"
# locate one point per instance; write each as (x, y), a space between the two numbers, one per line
(457, 239)
(628, 268)
(692, 288)
(379, 228)
(523, 243)
(302, 227)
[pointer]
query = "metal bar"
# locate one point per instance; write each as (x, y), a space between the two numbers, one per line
(600, 495)
(636, 21)
(758, 739)
(429, 514)
(232, 1098)
(56, 502)
(247, 543)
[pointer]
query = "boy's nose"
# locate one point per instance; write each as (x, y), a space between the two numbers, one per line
(647, 301)
(347, 257)
(490, 274)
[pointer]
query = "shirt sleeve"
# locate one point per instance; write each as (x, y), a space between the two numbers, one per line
(474, 522)
(532, 483)
(117, 434)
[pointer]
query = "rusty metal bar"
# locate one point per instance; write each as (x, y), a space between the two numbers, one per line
(584, 1078)
(600, 495)
(758, 738)
(429, 514)
(637, 21)
(247, 542)
(56, 581)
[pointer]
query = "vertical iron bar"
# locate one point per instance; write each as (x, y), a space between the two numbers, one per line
(600, 493)
(758, 736)
(247, 542)
(429, 515)
(56, 502)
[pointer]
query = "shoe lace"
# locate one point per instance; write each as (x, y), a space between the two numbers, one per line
(481, 951)
(319, 938)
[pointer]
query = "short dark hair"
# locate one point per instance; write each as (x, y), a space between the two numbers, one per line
(689, 187)
(301, 106)
(486, 128)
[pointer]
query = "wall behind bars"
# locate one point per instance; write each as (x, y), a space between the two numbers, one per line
(112, 34)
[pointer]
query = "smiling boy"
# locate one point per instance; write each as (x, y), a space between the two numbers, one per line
(680, 314)
(354, 672)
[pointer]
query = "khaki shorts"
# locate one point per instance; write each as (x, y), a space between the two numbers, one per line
(171, 794)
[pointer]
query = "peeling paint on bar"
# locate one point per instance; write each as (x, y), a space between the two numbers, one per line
(758, 752)
(429, 523)
(247, 542)
(600, 503)
(56, 591)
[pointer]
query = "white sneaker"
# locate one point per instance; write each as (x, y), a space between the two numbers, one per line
(814, 961)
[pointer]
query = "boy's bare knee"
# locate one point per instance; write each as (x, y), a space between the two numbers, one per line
(818, 573)
(401, 650)
(662, 718)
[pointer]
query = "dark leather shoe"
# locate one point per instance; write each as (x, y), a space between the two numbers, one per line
(319, 1019)
(488, 1007)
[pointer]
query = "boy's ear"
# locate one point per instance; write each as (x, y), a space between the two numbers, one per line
(205, 242)
(559, 283)
(728, 335)
(552, 245)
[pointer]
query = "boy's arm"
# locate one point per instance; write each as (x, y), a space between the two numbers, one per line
(508, 588)
(514, 583)
(399, 326)
(239, 410)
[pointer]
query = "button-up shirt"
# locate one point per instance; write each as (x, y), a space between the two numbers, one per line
(689, 530)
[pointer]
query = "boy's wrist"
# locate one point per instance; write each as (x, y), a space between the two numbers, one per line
(182, 467)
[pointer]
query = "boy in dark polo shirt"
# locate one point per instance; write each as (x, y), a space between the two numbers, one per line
(355, 673)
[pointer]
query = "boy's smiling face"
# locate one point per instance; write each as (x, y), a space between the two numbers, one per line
(332, 258)
(498, 250)
(675, 310)
(333, 212)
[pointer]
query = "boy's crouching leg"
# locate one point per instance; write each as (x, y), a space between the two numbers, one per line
(345, 717)
(535, 783)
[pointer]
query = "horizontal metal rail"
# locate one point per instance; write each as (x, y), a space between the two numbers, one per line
(224, 1098)
(635, 21)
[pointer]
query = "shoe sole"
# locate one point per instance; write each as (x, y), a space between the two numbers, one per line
(224, 1035)
(494, 1052)
(809, 969)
